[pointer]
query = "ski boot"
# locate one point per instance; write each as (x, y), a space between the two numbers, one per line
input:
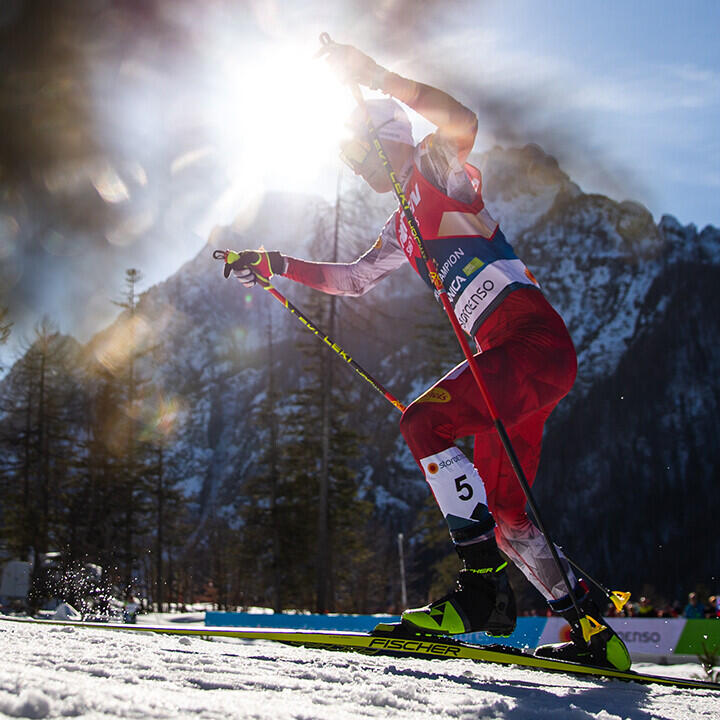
(605, 649)
(482, 600)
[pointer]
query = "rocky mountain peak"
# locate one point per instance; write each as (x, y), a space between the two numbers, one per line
(686, 242)
(511, 172)
(521, 184)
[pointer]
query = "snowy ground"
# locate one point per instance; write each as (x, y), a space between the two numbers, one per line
(57, 672)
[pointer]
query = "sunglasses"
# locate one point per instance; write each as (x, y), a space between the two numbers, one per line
(354, 152)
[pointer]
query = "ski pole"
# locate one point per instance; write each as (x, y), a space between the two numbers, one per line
(588, 625)
(229, 257)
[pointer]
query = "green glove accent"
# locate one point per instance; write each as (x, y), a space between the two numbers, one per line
(263, 264)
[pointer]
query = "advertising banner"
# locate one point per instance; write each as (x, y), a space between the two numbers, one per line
(648, 636)
(643, 636)
(699, 636)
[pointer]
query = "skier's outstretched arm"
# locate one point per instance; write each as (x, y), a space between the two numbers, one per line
(353, 279)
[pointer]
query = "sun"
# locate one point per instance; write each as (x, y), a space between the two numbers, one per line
(284, 114)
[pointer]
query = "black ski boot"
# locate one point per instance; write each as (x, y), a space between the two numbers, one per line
(481, 601)
(606, 649)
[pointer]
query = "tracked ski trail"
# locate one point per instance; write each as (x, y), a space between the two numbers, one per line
(48, 672)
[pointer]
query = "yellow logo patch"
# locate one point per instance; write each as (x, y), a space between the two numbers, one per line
(433, 468)
(435, 395)
(472, 266)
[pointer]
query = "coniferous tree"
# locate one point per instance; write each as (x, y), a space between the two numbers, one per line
(325, 444)
(132, 491)
(38, 406)
(165, 501)
(98, 515)
(262, 502)
(307, 546)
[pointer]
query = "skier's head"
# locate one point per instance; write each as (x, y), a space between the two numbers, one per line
(394, 130)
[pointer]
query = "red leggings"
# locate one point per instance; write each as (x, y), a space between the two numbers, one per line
(529, 364)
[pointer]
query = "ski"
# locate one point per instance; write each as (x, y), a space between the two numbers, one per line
(390, 640)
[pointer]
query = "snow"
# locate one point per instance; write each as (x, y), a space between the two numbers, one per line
(58, 672)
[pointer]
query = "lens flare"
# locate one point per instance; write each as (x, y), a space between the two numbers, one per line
(9, 230)
(110, 187)
(55, 243)
(124, 339)
(11, 271)
(160, 417)
(128, 230)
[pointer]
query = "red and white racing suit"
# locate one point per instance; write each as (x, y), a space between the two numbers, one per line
(525, 355)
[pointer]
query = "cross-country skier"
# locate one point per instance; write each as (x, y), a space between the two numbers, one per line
(525, 355)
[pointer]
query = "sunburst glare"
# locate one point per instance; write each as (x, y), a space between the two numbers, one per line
(282, 115)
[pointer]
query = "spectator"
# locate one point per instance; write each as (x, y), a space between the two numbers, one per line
(694, 610)
(713, 608)
(645, 609)
(668, 611)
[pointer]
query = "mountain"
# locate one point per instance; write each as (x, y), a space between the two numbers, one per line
(630, 469)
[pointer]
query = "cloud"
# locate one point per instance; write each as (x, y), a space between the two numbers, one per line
(647, 90)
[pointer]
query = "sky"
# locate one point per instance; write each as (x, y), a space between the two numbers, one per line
(641, 81)
(199, 111)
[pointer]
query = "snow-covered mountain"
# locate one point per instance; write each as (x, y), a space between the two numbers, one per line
(638, 298)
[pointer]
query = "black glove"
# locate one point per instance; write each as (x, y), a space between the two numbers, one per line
(353, 65)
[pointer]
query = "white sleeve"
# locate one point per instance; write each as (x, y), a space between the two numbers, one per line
(354, 278)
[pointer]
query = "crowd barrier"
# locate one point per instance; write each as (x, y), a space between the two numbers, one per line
(647, 638)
